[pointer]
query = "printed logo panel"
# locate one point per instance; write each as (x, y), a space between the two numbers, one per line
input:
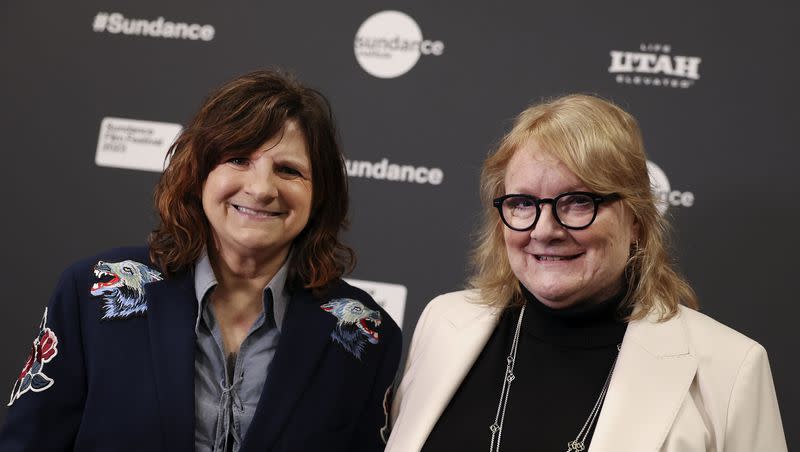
(134, 144)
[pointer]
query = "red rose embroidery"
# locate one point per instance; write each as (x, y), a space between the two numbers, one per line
(43, 350)
(47, 345)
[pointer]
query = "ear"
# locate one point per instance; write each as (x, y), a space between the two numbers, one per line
(635, 231)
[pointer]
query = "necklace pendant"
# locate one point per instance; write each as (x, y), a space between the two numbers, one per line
(575, 446)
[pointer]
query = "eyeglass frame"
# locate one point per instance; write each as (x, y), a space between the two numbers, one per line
(596, 199)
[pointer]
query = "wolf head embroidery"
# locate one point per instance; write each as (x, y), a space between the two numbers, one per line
(43, 350)
(353, 329)
(121, 287)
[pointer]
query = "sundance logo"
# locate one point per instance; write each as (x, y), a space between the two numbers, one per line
(665, 195)
(116, 23)
(654, 65)
(384, 170)
(389, 43)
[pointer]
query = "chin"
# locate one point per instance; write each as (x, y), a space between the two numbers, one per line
(555, 297)
(556, 303)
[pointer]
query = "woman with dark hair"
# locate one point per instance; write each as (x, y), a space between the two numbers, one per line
(233, 330)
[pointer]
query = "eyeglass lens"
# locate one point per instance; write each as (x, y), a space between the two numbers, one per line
(572, 210)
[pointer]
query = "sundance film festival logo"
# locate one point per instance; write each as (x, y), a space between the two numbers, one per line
(134, 143)
(665, 195)
(389, 43)
(654, 65)
(116, 23)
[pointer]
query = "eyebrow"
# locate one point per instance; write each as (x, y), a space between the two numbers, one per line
(568, 189)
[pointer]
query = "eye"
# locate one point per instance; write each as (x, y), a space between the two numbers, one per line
(127, 270)
(520, 202)
(238, 161)
(577, 203)
(288, 170)
(356, 309)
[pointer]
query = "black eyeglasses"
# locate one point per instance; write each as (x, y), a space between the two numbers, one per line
(573, 210)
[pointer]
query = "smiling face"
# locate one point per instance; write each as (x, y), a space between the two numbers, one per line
(564, 267)
(258, 202)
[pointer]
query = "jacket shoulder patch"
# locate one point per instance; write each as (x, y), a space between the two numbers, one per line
(356, 324)
(121, 287)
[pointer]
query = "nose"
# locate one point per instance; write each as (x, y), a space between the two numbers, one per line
(261, 183)
(546, 227)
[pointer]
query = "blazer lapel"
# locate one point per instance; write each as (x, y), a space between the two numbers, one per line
(305, 334)
(456, 348)
(171, 315)
(652, 377)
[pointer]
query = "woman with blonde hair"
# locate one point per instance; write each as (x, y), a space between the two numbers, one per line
(577, 333)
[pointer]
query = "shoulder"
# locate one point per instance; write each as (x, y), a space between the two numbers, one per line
(132, 255)
(116, 277)
(708, 336)
(457, 307)
(340, 291)
(720, 351)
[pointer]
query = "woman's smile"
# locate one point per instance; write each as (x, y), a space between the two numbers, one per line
(256, 214)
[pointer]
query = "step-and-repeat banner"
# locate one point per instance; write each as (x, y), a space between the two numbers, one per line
(94, 94)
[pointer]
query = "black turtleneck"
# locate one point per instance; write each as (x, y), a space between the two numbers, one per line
(563, 359)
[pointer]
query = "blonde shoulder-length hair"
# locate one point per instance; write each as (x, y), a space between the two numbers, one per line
(602, 145)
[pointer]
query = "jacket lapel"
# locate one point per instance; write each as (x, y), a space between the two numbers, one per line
(456, 346)
(652, 377)
(305, 334)
(172, 311)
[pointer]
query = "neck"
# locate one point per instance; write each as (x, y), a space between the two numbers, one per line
(241, 279)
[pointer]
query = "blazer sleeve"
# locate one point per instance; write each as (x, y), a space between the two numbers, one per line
(47, 399)
(754, 420)
(419, 331)
(371, 434)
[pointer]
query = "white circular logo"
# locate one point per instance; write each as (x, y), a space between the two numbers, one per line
(665, 195)
(389, 43)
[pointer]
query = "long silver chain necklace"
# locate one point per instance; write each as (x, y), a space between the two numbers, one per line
(576, 445)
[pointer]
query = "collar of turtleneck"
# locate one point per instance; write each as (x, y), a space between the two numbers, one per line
(593, 325)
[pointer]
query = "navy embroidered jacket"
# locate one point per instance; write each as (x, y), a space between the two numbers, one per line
(126, 382)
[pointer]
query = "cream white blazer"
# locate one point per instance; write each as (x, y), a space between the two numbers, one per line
(684, 385)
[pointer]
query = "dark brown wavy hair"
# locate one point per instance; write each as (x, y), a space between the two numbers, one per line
(240, 116)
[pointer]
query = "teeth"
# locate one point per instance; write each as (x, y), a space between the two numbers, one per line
(253, 212)
(553, 258)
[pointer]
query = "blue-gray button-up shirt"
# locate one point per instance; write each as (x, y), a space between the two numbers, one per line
(224, 404)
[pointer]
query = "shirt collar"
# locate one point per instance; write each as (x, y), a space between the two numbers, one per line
(205, 281)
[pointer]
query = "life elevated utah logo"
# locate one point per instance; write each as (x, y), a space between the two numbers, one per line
(654, 65)
(389, 43)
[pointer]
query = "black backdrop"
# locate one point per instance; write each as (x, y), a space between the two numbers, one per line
(714, 88)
